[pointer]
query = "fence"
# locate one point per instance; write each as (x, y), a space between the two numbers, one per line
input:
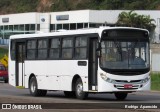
(4, 41)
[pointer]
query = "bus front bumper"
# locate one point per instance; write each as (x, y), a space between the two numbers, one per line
(123, 87)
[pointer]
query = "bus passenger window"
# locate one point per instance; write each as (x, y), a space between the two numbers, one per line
(31, 49)
(54, 48)
(42, 49)
(67, 45)
(12, 50)
(81, 47)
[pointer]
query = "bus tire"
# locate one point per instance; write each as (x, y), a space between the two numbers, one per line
(70, 94)
(6, 81)
(120, 96)
(80, 94)
(34, 91)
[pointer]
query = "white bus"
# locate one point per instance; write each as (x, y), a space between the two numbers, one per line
(99, 60)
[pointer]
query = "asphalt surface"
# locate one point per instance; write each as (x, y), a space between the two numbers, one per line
(10, 94)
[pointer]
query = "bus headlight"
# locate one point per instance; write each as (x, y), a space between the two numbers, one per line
(107, 79)
(145, 80)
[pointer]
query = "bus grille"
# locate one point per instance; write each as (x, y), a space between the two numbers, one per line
(128, 85)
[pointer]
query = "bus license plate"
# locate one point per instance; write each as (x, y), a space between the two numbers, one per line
(128, 86)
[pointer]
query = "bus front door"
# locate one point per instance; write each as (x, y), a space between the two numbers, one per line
(20, 56)
(93, 64)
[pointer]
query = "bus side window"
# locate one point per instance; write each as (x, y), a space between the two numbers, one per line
(81, 48)
(67, 48)
(54, 48)
(31, 49)
(12, 50)
(42, 49)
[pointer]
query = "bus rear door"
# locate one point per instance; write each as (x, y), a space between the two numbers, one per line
(20, 56)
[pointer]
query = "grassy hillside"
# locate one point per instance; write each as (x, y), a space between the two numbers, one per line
(20, 6)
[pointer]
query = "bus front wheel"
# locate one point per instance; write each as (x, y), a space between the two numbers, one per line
(80, 94)
(120, 96)
(34, 91)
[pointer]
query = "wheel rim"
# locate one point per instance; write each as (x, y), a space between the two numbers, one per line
(79, 89)
(33, 87)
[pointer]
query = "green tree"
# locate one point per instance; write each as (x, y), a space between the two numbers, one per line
(132, 19)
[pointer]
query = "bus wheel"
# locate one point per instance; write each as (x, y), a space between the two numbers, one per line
(80, 94)
(121, 96)
(34, 91)
(6, 81)
(70, 94)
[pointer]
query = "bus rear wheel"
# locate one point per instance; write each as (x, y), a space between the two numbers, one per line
(34, 91)
(80, 94)
(120, 96)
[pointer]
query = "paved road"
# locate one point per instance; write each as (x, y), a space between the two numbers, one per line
(9, 94)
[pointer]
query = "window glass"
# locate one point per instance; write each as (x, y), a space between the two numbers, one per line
(81, 47)
(54, 53)
(27, 27)
(52, 27)
(54, 48)
(79, 25)
(67, 53)
(15, 27)
(42, 43)
(67, 48)
(31, 49)
(42, 49)
(21, 27)
(31, 54)
(85, 25)
(67, 43)
(54, 43)
(72, 26)
(32, 27)
(59, 26)
(13, 50)
(6, 27)
(80, 52)
(11, 27)
(81, 41)
(42, 53)
(66, 26)
(31, 44)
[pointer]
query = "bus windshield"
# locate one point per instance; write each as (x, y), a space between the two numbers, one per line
(124, 54)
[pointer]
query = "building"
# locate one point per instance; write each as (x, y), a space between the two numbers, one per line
(25, 23)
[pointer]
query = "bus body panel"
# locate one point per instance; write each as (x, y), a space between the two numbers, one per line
(57, 74)
(12, 74)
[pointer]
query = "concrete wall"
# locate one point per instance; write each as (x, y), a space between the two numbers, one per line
(155, 57)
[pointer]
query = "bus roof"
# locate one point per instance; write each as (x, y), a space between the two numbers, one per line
(71, 32)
